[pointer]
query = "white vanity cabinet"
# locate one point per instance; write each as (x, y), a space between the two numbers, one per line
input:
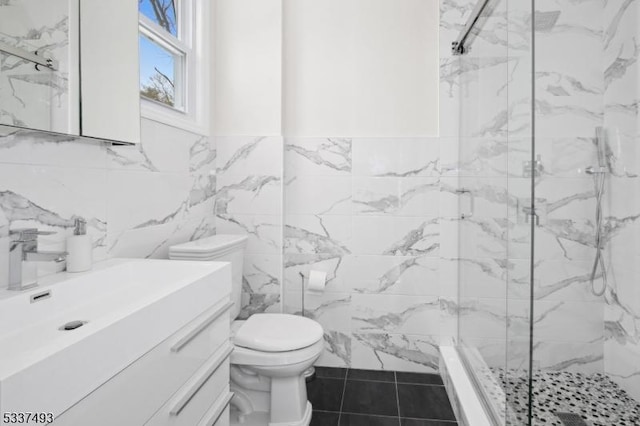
(182, 381)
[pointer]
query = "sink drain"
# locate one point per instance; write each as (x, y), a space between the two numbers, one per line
(72, 325)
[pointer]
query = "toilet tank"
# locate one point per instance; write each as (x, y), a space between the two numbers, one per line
(221, 248)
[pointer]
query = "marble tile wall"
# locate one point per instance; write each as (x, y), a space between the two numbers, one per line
(622, 211)
(367, 212)
(137, 200)
(568, 317)
(249, 201)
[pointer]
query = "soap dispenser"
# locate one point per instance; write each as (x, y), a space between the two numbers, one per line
(79, 248)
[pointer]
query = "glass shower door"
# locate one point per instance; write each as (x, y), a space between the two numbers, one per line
(493, 184)
(586, 355)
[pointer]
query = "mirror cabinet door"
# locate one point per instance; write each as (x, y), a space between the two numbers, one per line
(39, 65)
(71, 66)
(109, 70)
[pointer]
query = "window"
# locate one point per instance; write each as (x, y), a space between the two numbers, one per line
(173, 41)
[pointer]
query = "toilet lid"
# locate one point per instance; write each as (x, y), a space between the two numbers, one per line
(277, 333)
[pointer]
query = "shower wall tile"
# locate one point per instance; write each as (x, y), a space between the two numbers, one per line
(622, 208)
(484, 105)
(483, 277)
(569, 83)
(473, 157)
(482, 318)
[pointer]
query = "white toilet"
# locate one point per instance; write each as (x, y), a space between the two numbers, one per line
(271, 351)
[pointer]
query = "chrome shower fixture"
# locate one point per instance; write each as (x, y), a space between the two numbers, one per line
(599, 179)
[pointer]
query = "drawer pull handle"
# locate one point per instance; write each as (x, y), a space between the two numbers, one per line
(217, 312)
(203, 374)
(214, 413)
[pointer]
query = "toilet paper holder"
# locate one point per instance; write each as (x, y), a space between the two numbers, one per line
(302, 291)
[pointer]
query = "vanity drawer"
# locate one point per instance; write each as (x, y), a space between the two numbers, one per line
(205, 391)
(135, 394)
(219, 413)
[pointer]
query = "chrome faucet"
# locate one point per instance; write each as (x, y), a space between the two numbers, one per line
(23, 247)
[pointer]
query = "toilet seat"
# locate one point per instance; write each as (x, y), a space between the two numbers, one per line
(277, 333)
(302, 337)
(250, 357)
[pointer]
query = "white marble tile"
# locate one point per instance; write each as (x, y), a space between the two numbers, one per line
(386, 313)
(396, 236)
(562, 321)
(401, 157)
(483, 277)
(396, 196)
(308, 234)
(585, 357)
(154, 241)
(253, 303)
(331, 310)
(398, 275)
(166, 199)
(396, 352)
(474, 156)
(264, 231)
(449, 97)
(262, 273)
(50, 198)
(621, 364)
(258, 156)
(163, 149)
(337, 350)
(248, 194)
(23, 146)
(338, 268)
(321, 195)
(555, 279)
(317, 157)
(483, 318)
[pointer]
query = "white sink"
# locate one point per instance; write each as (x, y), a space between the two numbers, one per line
(129, 307)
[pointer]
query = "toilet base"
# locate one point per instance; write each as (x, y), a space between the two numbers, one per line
(261, 418)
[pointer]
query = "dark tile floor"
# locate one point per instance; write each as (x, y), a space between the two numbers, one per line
(349, 397)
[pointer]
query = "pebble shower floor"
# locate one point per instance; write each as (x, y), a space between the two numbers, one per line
(596, 398)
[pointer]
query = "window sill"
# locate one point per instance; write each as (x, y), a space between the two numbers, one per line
(179, 120)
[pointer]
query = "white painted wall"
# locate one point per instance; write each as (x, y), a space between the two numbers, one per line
(330, 67)
(248, 67)
(361, 67)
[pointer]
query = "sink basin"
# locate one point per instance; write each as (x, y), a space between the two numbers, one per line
(127, 306)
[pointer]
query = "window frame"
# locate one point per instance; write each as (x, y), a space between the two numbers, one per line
(192, 42)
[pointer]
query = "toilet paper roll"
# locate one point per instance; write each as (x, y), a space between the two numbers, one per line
(317, 281)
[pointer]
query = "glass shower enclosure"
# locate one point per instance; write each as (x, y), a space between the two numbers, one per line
(548, 217)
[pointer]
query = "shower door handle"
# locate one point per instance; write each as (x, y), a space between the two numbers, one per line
(472, 202)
